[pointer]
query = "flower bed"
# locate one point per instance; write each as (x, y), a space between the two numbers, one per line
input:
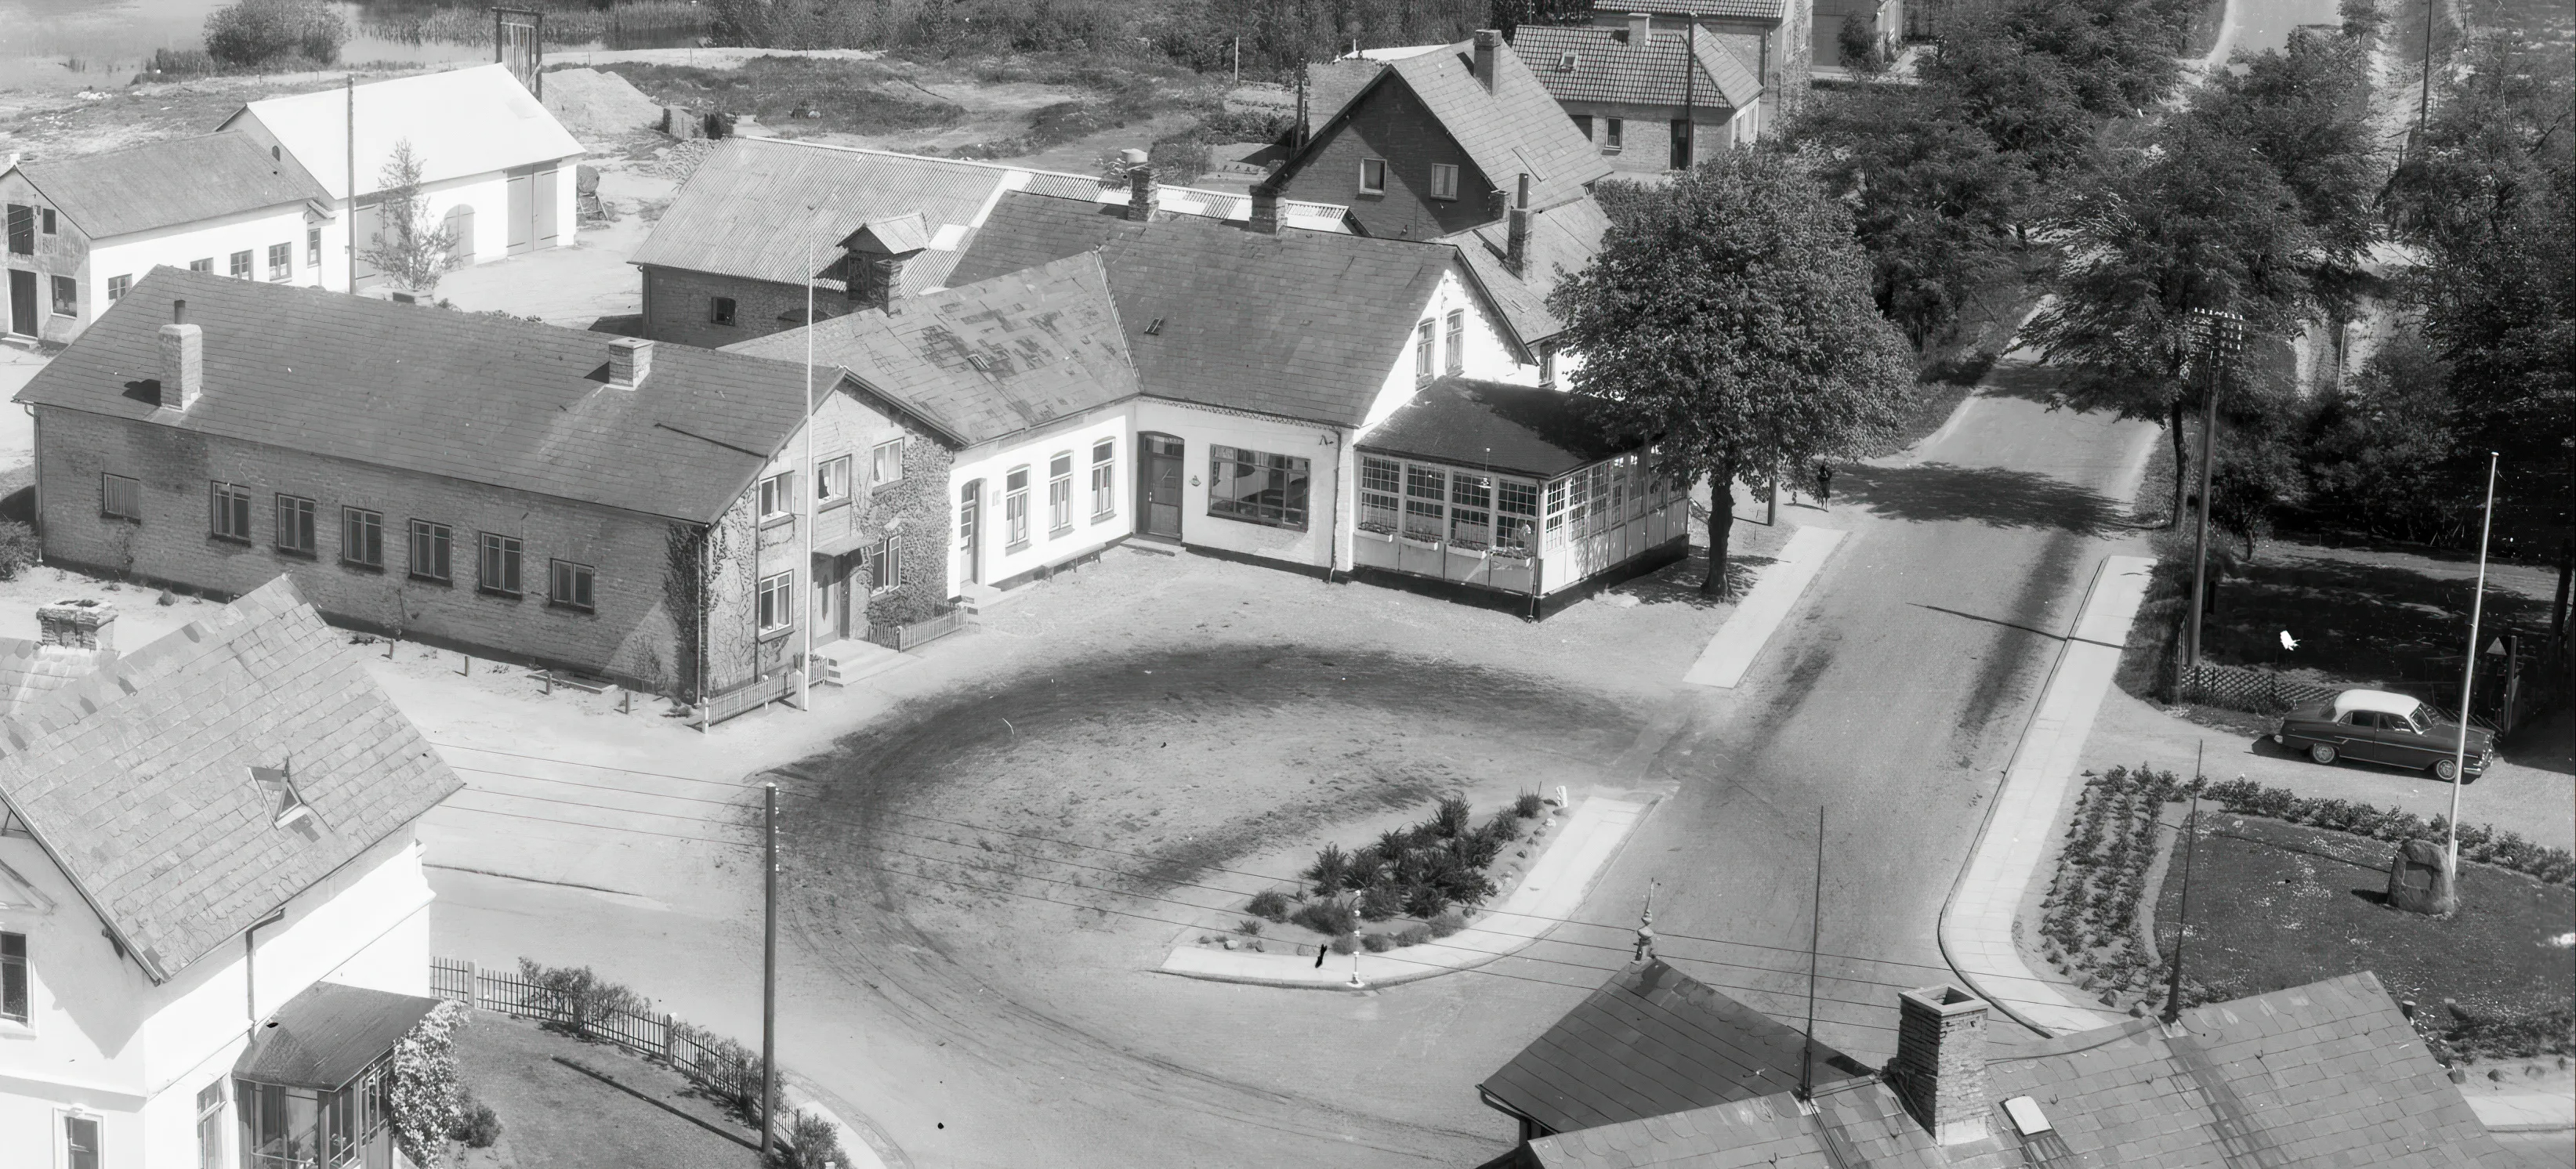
(1412, 884)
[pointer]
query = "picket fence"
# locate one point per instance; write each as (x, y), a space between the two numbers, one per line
(730, 1076)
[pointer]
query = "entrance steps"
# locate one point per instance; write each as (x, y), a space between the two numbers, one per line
(851, 659)
(984, 598)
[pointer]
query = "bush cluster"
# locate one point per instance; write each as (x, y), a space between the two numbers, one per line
(477, 1126)
(584, 1002)
(255, 33)
(1421, 870)
(18, 548)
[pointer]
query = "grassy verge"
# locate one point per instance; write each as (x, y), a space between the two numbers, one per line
(852, 97)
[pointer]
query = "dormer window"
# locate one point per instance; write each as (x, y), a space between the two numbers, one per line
(286, 805)
(1565, 62)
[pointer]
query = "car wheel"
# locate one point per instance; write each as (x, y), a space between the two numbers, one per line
(2446, 770)
(2322, 753)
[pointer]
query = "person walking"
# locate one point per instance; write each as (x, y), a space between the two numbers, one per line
(1824, 482)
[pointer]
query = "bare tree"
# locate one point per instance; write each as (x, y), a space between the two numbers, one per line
(409, 249)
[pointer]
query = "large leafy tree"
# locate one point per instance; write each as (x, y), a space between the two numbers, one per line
(1727, 319)
(2303, 110)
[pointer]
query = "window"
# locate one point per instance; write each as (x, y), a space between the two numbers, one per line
(210, 1126)
(777, 602)
(885, 565)
(1547, 365)
(1373, 175)
(719, 310)
(1515, 513)
(22, 230)
(204, 265)
(1104, 482)
(1423, 489)
(13, 977)
(1444, 181)
(66, 297)
(775, 501)
(1681, 144)
(429, 551)
(47, 214)
(569, 585)
(80, 1142)
(231, 519)
(885, 463)
(1457, 340)
(295, 525)
(1257, 488)
(1380, 482)
(120, 497)
(362, 537)
(832, 480)
(1422, 353)
(312, 247)
(241, 265)
(281, 261)
(1611, 134)
(1583, 123)
(497, 568)
(1471, 502)
(1015, 509)
(116, 286)
(1060, 493)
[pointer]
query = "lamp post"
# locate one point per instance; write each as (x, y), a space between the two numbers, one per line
(2468, 682)
(2216, 336)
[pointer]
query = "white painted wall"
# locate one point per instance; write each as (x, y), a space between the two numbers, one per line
(1200, 427)
(135, 255)
(102, 1038)
(992, 462)
(1488, 355)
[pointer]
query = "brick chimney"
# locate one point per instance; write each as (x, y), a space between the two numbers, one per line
(1143, 193)
(1516, 232)
(1489, 45)
(77, 624)
(1265, 209)
(183, 359)
(1940, 1065)
(630, 361)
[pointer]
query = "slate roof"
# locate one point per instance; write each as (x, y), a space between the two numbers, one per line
(1562, 241)
(1609, 67)
(161, 184)
(1767, 10)
(136, 780)
(29, 669)
(323, 1037)
(989, 359)
(483, 399)
(459, 122)
(1653, 1041)
(2321, 1076)
(1300, 324)
(1517, 430)
(1330, 85)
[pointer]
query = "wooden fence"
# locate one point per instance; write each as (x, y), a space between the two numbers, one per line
(2238, 688)
(749, 696)
(719, 1065)
(904, 637)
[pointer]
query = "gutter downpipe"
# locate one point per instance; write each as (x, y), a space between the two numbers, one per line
(250, 965)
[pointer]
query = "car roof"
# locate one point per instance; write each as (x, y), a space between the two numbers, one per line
(2378, 700)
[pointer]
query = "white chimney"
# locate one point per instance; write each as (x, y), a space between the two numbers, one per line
(183, 359)
(630, 359)
(77, 624)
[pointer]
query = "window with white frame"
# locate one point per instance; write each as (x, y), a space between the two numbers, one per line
(497, 569)
(13, 977)
(431, 544)
(1547, 365)
(1557, 491)
(281, 261)
(1060, 493)
(1471, 511)
(776, 502)
(885, 565)
(1424, 488)
(832, 480)
(1515, 514)
(295, 525)
(116, 286)
(1015, 509)
(1104, 481)
(231, 512)
(1444, 181)
(885, 463)
(777, 602)
(362, 537)
(1373, 175)
(570, 585)
(239, 264)
(1381, 486)
(1422, 355)
(210, 1125)
(1256, 487)
(1457, 339)
(80, 1141)
(120, 497)
(1613, 131)
(312, 247)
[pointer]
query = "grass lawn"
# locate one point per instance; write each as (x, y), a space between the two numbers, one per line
(2276, 905)
(553, 1117)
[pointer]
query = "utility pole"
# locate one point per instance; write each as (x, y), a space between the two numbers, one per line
(2468, 680)
(1815, 935)
(349, 212)
(2424, 99)
(768, 971)
(814, 486)
(2218, 335)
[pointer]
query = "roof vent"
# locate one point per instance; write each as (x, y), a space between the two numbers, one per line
(2026, 1116)
(1155, 329)
(288, 807)
(1565, 61)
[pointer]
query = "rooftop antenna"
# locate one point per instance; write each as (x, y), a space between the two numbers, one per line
(1815, 930)
(2182, 920)
(1646, 926)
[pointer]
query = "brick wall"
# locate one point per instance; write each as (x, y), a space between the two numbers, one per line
(1940, 1065)
(1394, 125)
(920, 499)
(631, 634)
(1647, 133)
(675, 306)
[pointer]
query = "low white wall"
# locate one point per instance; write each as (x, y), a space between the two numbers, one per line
(216, 240)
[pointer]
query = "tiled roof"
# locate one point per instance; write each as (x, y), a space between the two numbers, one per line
(137, 780)
(29, 670)
(1607, 66)
(1301, 324)
(1330, 85)
(1653, 1041)
(1765, 10)
(989, 359)
(1518, 430)
(459, 122)
(161, 184)
(1562, 241)
(323, 1037)
(478, 398)
(1860, 1116)
(1515, 128)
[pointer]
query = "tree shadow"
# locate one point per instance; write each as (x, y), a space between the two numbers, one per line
(2028, 382)
(2364, 622)
(1997, 497)
(1678, 583)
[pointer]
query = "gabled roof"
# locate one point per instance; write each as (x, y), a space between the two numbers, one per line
(1757, 10)
(162, 184)
(1609, 66)
(1562, 241)
(1765, 1132)
(1299, 324)
(1330, 85)
(324, 1037)
(483, 399)
(1652, 1041)
(988, 359)
(1514, 128)
(137, 780)
(1512, 430)
(460, 122)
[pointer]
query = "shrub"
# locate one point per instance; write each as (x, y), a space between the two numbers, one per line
(1331, 868)
(1447, 922)
(1503, 829)
(1425, 900)
(1332, 915)
(1345, 943)
(477, 1126)
(18, 548)
(811, 1143)
(1528, 805)
(730, 1073)
(425, 1095)
(583, 1001)
(1393, 844)
(1248, 927)
(1376, 943)
(182, 63)
(1271, 904)
(1450, 820)
(1413, 935)
(1379, 902)
(261, 32)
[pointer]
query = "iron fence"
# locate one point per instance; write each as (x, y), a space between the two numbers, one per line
(721, 1066)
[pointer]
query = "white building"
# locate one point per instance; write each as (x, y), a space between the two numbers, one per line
(83, 229)
(213, 921)
(497, 168)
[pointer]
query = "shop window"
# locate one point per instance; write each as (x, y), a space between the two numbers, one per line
(1256, 487)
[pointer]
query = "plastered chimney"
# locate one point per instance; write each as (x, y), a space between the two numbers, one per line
(1940, 1066)
(630, 361)
(1489, 45)
(183, 359)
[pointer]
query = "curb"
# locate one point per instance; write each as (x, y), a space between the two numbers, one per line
(1726, 660)
(863, 1144)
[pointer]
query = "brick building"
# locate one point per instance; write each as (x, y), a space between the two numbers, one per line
(1776, 37)
(1648, 101)
(1434, 144)
(529, 492)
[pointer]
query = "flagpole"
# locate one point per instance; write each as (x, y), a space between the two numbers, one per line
(812, 487)
(2468, 679)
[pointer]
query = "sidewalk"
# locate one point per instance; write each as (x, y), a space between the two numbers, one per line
(2524, 1111)
(1977, 923)
(1553, 889)
(1732, 652)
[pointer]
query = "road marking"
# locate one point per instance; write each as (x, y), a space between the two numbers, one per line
(1749, 628)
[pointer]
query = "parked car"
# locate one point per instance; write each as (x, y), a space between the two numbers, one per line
(2379, 727)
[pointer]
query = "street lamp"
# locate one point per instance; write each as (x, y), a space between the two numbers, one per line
(2215, 339)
